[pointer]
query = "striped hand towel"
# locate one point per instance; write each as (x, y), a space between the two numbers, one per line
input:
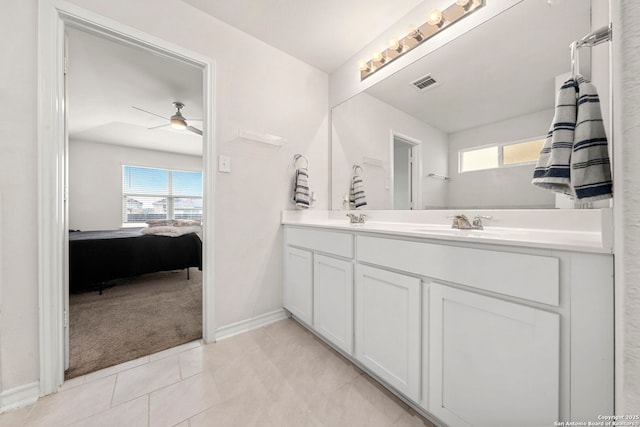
(590, 167)
(553, 169)
(301, 194)
(356, 192)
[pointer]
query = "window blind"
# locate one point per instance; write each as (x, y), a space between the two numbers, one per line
(154, 193)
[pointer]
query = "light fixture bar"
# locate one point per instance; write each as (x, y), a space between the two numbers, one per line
(436, 21)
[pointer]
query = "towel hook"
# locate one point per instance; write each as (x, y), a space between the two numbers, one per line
(575, 59)
(355, 169)
(297, 157)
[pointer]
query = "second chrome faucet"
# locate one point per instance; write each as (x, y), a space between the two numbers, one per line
(461, 222)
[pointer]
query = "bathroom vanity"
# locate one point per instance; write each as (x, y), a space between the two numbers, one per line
(512, 327)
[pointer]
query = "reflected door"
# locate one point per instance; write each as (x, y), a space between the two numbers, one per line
(404, 173)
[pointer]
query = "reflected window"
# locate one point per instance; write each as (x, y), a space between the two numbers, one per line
(479, 159)
(500, 155)
(522, 152)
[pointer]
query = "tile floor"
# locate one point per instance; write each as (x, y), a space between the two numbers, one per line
(278, 375)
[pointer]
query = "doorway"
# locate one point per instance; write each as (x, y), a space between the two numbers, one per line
(405, 155)
(53, 162)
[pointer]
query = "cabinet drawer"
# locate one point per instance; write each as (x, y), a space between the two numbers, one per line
(531, 277)
(330, 242)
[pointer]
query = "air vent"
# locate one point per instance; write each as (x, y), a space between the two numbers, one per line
(425, 82)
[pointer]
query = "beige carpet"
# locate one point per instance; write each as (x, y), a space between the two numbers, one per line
(138, 317)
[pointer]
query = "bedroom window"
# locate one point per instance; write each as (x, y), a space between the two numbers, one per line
(153, 193)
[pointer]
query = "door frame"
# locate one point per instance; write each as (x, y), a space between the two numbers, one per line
(416, 170)
(54, 16)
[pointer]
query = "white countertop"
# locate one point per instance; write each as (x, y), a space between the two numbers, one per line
(569, 240)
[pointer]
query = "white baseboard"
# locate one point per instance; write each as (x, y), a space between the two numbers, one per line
(18, 397)
(249, 324)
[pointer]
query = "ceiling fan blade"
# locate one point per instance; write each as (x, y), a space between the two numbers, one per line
(149, 112)
(160, 126)
(194, 130)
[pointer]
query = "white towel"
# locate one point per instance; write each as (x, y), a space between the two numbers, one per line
(553, 169)
(590, 166)
(301, 194)
(356, 192)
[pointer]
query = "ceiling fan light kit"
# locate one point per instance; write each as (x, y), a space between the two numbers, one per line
(176, 121)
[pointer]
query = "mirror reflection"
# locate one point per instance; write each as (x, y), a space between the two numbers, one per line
(462, 127)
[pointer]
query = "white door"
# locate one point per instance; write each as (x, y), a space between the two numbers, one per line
(388, 327)
(491, 362)
(333, 300)
(298, 284)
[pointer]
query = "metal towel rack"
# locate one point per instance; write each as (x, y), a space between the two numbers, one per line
(594, 38)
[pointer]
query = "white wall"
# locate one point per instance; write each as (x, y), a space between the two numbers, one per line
(257, 87)
(18, 187)
(494, 188)
(95, 180)
(361, 127)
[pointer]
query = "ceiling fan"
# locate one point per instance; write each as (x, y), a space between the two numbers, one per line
(177, 121)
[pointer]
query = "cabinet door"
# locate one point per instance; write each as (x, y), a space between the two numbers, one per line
(333, 300)
(298, 284)
(491, 362)
(388, 327)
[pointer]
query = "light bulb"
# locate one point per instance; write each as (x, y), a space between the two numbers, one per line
(363, 65)
(377, 56)
(415, 33)
(466, 4)
(393, 43)
(435, 18)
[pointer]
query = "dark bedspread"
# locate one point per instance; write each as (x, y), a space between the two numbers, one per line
(96, 257)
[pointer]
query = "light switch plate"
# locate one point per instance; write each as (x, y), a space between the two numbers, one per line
(224, 164)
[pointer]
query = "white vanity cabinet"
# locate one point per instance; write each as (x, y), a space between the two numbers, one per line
(333, 300)
(388, 327)
(491, 362)
(471, 334)
(318, 287)
(298, 283)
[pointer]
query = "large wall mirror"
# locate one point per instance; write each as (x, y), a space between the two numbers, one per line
(465, 140)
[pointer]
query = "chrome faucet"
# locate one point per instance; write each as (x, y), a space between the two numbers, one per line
(461, 222)
(356, 219)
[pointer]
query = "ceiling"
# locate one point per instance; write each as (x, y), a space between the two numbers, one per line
(501, 69)
(106, 79)
(323, 33)
(504, 68)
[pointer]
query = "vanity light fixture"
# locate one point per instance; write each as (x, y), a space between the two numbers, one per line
(437, 20)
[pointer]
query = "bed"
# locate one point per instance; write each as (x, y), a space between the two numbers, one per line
(98, 257)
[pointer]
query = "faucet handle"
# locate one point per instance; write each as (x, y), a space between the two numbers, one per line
(477, 221)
